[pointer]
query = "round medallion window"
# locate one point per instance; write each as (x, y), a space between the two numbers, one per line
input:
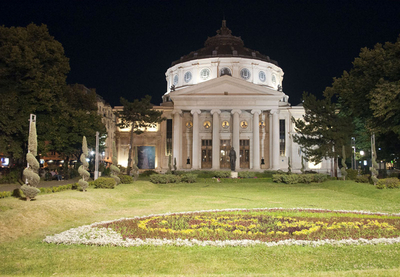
(262, 123)
(189, 124)
(207, 124)
(205, 73)
(244, 124)
(261, 76)
(245, 73)
(188, 76)
(273, 79)
(176, 79)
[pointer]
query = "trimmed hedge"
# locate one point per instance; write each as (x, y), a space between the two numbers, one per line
(389, 183)
(247, 174)
(125, 179)
(362, 179)
(189, 178)
(299, 178)
(164, 178)
(105, 183)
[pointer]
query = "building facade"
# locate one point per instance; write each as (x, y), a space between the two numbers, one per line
(220, 97)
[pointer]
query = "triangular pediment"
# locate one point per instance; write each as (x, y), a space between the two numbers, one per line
(225, 85)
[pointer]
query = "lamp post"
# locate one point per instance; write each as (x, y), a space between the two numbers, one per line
(96, 160)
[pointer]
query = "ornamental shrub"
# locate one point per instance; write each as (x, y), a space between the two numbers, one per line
(362, 179)
(381, 184)
(125, 179)
(389, 183)
(267, 174)
(222, 174)
(320, 177)
(164, 178)
(29, 191)
(306, 178)
(277, 178)
(352, 174)
(105, 183)
(4, 194)
(147, 173)
(246, 174)
(189, 178)
(290, 178)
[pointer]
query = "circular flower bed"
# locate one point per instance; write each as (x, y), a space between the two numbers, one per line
(241, 228)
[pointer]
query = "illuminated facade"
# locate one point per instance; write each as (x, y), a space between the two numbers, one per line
(221, 96)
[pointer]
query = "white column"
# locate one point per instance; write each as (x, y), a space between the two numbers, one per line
(215, 139)
(256, 139)
(195, 149)
(275, 139)
(176, 154)
(235, 135)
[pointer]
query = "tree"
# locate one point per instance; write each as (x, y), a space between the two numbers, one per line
(323, 130)
(33, 71)
(30, 189)
(76, 117)
(137, 115)
(83, 168)
(370, 93)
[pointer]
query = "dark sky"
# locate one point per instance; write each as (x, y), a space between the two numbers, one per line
(123, 48)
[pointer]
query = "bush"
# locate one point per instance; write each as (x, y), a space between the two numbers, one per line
(306, 178)
(29, 191)
(246, 174)
(320, 177)
(4, 194)
(389, 183)
(189, 178)
(222, 174)
(362, 179)
(381, 184)
(352, 174)
(290, 178)
(147, 173)
(277, 178)
(165, 178)
(10, 177)
(125, 179)
(104, 183)
(269, 173)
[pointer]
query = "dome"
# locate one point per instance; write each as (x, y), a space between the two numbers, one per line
(224, 44)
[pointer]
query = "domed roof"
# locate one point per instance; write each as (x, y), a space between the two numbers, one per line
(224, 44)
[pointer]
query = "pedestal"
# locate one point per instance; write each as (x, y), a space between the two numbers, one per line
(234, 174)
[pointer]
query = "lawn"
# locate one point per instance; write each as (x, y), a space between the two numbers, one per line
(23, 226)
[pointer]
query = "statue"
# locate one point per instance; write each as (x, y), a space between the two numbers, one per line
(232, 157)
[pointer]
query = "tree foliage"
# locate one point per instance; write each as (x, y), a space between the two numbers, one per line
(33, 71)
(323, 130)
(371, 89)
(138, 115)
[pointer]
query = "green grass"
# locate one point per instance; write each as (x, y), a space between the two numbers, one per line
(23, 226)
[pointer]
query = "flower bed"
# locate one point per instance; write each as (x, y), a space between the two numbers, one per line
(240, 228)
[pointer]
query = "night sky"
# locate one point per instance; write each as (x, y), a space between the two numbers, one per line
(124, 48)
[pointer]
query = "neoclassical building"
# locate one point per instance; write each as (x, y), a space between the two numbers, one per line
(221, 96)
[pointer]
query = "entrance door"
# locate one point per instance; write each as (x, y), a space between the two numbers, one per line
(225, 147)
(206, 153)
(244, 153)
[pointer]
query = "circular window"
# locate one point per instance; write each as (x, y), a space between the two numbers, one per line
(225, 71)
(245, 73)
(261, 76)
(205, 73)
(273, 79)
(188, 76)
(176, 79)
(189, 124)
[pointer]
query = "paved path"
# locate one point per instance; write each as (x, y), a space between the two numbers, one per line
(42, 184)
